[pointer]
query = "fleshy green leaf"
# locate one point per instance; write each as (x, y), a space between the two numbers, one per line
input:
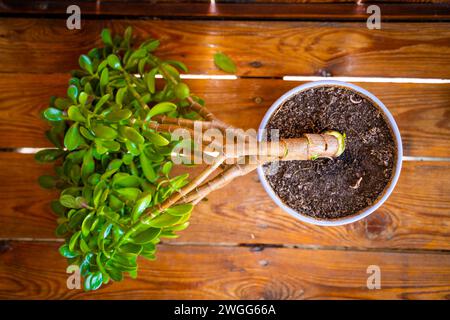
(73, 139)
(164, 220)
(86, 63)
(156, 139)
(65, 252)
(118, 115)
(47, 182)
(104, 132)
(131, 248)
(106, 37)
(146, 236)
(126, 182)
(140, 206)
(68, 201)
(101, 102)
(75, 114)
(160, 108)
(104, 78)
(53, 114)
(93, 281)
(166, 168)
(120, 94)
(72, 93)
(180, 210)
(74, 240)
(82, 98)
(88, 166)
(178, 64)
(130, 194)
(150, 80)
(147, 168)
(223, 62)
(150, 45)
(114, 62)
(131, 134)
(48, 155)
(182, 91)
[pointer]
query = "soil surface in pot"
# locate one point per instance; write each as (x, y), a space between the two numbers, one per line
(333, 188)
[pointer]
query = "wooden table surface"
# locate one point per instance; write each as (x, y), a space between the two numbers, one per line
(240, 245)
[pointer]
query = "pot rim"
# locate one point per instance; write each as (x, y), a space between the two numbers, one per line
(388, 189)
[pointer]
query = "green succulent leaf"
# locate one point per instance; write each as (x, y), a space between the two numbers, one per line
(150, 45)
(140, 206)
(93, 281)
(120, 95)
(48, 155)
(66, 252)
(182, 91)
(146, 236)
(180, 210)
(164, 220)
(223, 62)
(82, 98)
(68, 201)
(106, 37)
(147, 168)
(104, 132)
(47, 182)
(104, 77)
(73, 139)
(75, 114)
(53, 114)
(114, 62)
(150, 80)
(156, 139)
(118, 115)
(101, 102)
(86, 63)
(131, 134)
(163, 107)
(88, 167)
(72, 93)
(126, 181)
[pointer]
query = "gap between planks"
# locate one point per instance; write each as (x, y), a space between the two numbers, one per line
(258, 246)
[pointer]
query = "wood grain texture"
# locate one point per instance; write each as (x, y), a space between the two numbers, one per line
(318, 10)
(259, 48)
(415, 217)
(422, 111)
(36, 271)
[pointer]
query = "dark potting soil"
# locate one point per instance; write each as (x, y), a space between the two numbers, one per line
(333, 188)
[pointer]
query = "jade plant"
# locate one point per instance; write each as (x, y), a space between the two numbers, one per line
(114, 153)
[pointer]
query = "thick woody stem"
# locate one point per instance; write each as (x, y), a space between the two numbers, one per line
(225, 177)
(308, 147)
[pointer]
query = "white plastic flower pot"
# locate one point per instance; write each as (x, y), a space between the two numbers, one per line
(396, 170)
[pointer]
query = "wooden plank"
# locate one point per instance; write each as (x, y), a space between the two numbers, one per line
(421, 110)
(36, 271)
(415, 217)
(319, 10)
(259, 48)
